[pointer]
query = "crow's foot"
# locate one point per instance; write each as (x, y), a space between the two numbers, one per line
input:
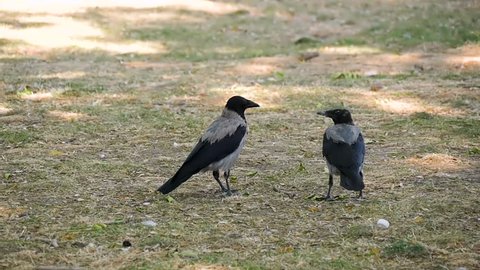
(329, 198)
(230, 192)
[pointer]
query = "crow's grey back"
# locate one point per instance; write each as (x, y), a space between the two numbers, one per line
(223, 126)
(343, 133)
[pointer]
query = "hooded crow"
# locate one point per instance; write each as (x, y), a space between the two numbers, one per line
(344, 151)
(218, 148)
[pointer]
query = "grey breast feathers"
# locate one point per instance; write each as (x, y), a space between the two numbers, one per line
(343, 133)
(223, 126)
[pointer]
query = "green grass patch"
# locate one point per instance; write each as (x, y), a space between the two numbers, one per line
(217, 41)
(351, 41)
(16, 137)
(359, 230)
(346, 76)
(465, 101)
(431, 24)
(436, 125)
(81, 234)
(79, 88)
(474, 151)
(341, 264)
(307, 41)
(404, 248)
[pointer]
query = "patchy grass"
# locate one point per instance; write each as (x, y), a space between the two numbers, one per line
(429, 23)
(404, 248)
(78, 88)
(88, 135)
(432, 124)
(16, 137)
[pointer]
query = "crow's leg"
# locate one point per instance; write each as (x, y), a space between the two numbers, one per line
(229, 191)
(216, 175)
(330, 184)
(360, 195)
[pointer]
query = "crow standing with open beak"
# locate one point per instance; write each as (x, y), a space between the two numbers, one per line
(218, 148)
(344, 151)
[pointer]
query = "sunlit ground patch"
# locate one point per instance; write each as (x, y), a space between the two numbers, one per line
(400, 105)
(438, 162)
(8, 212)
(465, 62)
(37, 96)
(259, 66)
(349, 50)
(410, 106)
(134, 16)
(466, 57)
(64, 7)
(267, 97)
(5, 110)
(56, 32)
(67, 116)
(63, 75)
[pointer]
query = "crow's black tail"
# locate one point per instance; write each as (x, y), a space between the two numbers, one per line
(352, 182)
(181, 176)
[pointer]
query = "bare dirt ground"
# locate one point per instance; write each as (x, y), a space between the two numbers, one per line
(101, 102)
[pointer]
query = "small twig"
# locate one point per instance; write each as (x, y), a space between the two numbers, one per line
(306, 56)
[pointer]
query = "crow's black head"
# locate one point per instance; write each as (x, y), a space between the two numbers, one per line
(240, 104)
(339, 116)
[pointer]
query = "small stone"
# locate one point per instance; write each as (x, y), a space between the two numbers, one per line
(376, 87)
(54, 243)
(149, 223)
(306, 56)
(383, 223)
(371, 73)
(407, 35)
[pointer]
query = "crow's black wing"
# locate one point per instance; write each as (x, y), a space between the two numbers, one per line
(346, 158)
(204, 154)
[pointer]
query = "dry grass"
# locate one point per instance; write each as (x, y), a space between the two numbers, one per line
(89, 132)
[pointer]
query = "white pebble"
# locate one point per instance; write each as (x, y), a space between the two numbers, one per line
(54, 243)
(149, 223)
(383, 223)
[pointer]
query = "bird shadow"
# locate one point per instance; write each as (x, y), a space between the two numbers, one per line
(203, 194)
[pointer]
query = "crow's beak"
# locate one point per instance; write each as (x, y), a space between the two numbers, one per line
(324, 113)
(252, 104)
